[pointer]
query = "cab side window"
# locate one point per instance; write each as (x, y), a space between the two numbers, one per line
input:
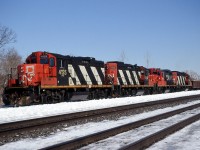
(51, 62)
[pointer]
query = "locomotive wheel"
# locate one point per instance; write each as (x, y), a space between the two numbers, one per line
(104, 94)
(67, 96)
(6, 99)
(133, 92)
(43, 99)
(24, 101)
(48, 99)
(96, 94)
(147, 92)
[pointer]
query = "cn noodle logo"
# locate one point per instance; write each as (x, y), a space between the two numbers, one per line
(29, 74)
(62, 72)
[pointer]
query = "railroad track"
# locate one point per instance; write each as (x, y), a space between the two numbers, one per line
(140, 144)
(151, 139)
(13, 128)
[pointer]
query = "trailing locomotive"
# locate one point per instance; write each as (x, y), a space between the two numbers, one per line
(48, 77)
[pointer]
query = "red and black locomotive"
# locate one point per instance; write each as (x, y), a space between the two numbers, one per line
(47, 78)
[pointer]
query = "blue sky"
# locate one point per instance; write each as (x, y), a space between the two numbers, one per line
(167, 32)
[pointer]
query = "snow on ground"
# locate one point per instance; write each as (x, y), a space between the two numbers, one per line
(91, 127)
(186, 139)
(37, 111)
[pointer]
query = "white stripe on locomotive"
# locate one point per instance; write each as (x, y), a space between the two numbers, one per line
(129, 77)
(71, 72)
(179, 80)
(103, 71)
(85, 75)
(96, 75)
(139, 74)
(183, 80)
(118, 82)
(73, 75)
(122, 77)
(136, 78)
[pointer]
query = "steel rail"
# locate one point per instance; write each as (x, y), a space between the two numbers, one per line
(85, 140)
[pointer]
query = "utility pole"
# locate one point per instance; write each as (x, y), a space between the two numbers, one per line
(147, 59)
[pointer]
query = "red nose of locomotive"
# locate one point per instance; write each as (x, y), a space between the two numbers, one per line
(28, 74)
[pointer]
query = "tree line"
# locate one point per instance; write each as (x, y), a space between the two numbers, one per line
(9, 57)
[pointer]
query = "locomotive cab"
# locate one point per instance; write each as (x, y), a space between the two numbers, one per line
(178, 78)
(181, 80)
(111, 73)
(144, 73)
(167, 74)
(156, 77)
(39, 69)
(187, 79)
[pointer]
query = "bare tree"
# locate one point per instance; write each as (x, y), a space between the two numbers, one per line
(193, 75)
(9, 58)
(7, 36)
(122, 56)
(147, 57)
(10, 61)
